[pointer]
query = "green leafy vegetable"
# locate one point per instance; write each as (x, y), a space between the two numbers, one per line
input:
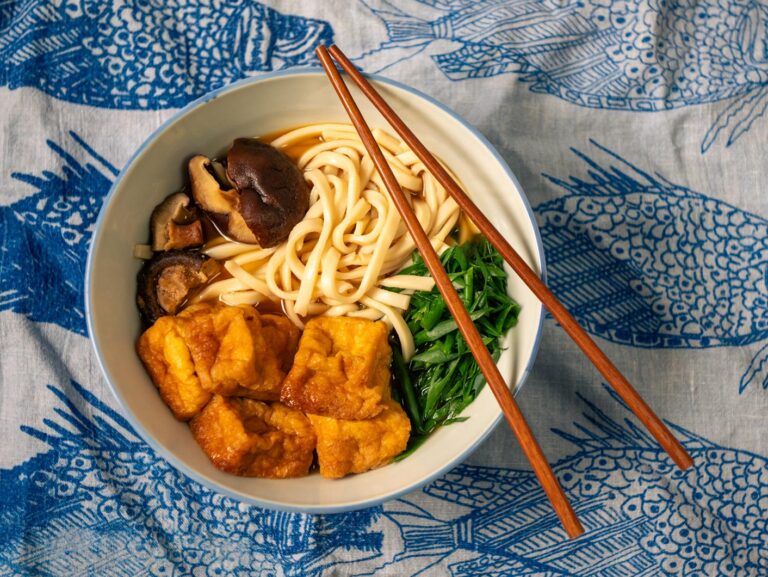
(443, 377)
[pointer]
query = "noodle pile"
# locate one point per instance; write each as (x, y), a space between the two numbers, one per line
(351, 243)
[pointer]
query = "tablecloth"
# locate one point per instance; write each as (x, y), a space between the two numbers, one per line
(637, 131)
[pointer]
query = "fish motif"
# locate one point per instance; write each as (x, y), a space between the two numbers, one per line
(644, 56)
(147, 55)
(100, 498)
(641, 261)
(45, 238)
(642, 515)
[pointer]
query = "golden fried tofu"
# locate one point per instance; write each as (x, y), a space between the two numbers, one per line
(341, 369)
(238, 352)
(169, 363)
(255, 439)
(244, 364)
(195, 325)
(282, 337)
(345, 447)
(217, 349)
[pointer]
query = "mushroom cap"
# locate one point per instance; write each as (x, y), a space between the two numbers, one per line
(270, 195)
(165, 281)
(273, 193)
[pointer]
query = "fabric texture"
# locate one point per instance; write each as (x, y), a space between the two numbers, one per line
(637, 131)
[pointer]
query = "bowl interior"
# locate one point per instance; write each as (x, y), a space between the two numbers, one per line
(263, 106)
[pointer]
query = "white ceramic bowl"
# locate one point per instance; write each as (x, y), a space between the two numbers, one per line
(259, 106)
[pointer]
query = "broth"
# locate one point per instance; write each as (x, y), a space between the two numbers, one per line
(293, 152)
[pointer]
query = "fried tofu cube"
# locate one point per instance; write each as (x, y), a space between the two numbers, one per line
(209, 349)
(282, 337)
(236, 351)
(345, 447)
(195, 325)
(244, 364)
(168, 361)
(255, 439)
(341, 369)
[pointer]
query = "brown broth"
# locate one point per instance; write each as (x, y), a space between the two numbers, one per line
(293, 152)
(222, 274)
(268, 307)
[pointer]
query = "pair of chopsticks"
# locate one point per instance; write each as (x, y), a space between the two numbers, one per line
(467, 328)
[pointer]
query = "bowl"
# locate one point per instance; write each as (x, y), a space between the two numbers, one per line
(207, 126)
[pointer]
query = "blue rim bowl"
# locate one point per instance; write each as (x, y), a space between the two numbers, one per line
(119, 331)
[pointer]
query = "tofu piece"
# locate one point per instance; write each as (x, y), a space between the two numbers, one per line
(207, 349)
(345, 447)
(195, 325)
(244, 365)
(236, 351)
(168, 361)
(282, 337)
(341, 369)
(255, 439)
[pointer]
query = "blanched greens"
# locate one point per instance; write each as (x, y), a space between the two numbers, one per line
(443, 377)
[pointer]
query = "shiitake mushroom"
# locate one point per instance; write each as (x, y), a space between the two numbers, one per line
(263, 197)
(175, 224)
(167, 279)
(270, 195)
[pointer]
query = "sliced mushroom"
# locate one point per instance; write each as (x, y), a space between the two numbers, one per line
(175, 225)
(270, 195)
(166, 280)
(207, 191)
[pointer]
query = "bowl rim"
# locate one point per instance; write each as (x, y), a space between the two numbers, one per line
(167, 455)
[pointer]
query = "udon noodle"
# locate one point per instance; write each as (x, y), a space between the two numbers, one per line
(345, 253)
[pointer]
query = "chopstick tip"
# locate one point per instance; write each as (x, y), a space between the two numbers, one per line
(576, 531)
(685, 462)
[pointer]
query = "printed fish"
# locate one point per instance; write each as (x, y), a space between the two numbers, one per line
(45, 238)
(147, 55)
(100, 502)
(643, 56)
(641, 261)
(642, 515)
(100, 499)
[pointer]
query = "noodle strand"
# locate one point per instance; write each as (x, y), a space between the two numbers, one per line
(339, 259)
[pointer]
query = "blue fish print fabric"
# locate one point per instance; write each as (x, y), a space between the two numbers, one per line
(646, 56)
(659, 529)
(139, 54)
(645, 262)
(98, 490)
(601, 109)
(45, 238)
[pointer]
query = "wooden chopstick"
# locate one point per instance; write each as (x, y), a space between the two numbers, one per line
(614, 377)
(488, 367)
